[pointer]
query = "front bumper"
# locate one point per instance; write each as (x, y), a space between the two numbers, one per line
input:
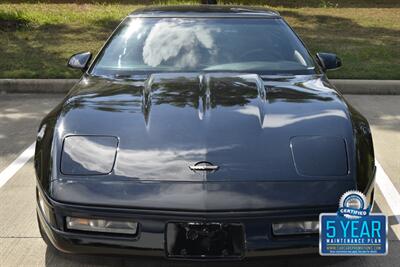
(151, 237)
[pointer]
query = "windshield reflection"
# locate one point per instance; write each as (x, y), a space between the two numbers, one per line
(195, 44)
(179, 41)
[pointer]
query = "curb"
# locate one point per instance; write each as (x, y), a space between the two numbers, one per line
(39, 86)
(62, 86)
(367, 87)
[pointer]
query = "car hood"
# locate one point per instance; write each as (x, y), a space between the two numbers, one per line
(254, 128)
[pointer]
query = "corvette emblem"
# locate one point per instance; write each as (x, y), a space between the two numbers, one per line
(204, 166)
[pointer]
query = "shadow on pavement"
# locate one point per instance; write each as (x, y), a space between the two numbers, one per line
(20, 115)
(55, 258)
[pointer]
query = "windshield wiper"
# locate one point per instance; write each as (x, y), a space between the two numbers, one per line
(129, 77)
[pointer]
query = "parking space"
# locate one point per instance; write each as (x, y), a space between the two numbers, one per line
(19, 119)
(383, 114)
(20, 242)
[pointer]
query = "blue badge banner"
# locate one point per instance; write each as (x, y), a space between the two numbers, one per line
(366, 235)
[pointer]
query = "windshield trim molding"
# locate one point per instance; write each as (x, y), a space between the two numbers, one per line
(200, 16)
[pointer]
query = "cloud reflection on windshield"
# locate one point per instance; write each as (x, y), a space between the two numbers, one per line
(179, 41)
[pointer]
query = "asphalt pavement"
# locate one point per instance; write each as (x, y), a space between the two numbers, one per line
(20, 242)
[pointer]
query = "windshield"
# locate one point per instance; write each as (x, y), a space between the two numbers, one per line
(148, 45)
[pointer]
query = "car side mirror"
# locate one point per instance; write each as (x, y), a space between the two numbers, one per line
(329, 61)
(80, 61)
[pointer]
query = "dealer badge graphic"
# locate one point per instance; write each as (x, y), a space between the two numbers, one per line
(353, 230)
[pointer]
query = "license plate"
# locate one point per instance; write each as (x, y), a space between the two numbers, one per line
(204, 240)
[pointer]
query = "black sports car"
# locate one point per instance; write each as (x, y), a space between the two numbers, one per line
(199, 133)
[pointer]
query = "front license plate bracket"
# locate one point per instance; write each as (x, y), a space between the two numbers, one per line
(203, 240)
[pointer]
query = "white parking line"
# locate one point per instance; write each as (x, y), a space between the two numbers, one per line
(388, 190)
(17, 164)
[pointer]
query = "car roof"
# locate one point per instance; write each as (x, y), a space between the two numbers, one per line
(205, 11)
